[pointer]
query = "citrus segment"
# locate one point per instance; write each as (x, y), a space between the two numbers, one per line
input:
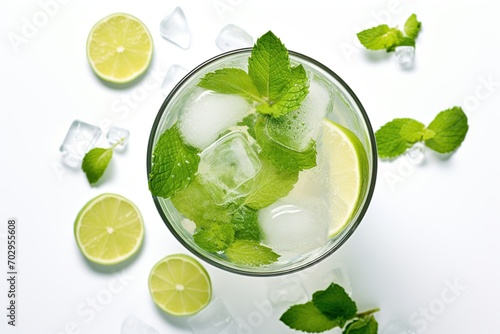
(180, 285)
(119, 48)
(347, 172)
(109, 229)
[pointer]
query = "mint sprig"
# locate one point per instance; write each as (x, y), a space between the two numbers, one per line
(271, 82)
(96, 161)
(443, 135)
(328, 309)
(250, 253)
(174, 164)
(383, 37)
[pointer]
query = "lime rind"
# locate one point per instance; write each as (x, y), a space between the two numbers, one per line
(139, 71)
(104, 260)
(192, 272)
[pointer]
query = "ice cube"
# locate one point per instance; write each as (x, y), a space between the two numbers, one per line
(233, 37)
(298, 222)
(207, 114)
(416, 153)
(337, 274)
(174, 28)
(296, 129)
(397, 327)
(404, 55)
(118, 135)
(227, 168)
(214, 319)
(287, 292)
(134, 325)
(174, 74)
(80, 138)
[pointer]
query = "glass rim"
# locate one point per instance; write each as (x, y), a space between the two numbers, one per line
(347, 234)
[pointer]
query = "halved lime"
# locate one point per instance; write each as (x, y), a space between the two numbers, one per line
(119, 48)
(109, 229)
(180, 285)
(347, 172)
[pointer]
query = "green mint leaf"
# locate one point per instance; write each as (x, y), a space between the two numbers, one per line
(95, 163)
(269, 67)
(245, 224)
(366, 325)
(335, 304)
(196, 204)
(395, 137)
(281, 156)
(214, 238)
(250, 253)
(174, 164)
(405, 41)
(380, 37)
(412, 26)
(231, 81)
(450, 127)
(270, 185)
(293, 95)
(249, 121)
(307, 318)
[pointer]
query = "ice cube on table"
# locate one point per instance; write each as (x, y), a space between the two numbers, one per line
(80, 138)
(214, 319)
(233, 37)
(174, 74)
(405, 55)
(118, 135)
(337, 274)
(174, 28)
(416, 153)
(227, 168)
(296, 129)
(207, 114)
(134, 325)
(287, 291)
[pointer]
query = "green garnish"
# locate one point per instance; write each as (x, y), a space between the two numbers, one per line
(383, 37)
(271, 82)
(250, 253)
(96, 161)
(443, 135)
(215, 238)
(174, 164)
(328, 309)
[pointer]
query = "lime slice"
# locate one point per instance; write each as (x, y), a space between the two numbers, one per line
(179, 285)
(109, 229)
(347, 172)
(119, 48)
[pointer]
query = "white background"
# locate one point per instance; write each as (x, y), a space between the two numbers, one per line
(429, 225)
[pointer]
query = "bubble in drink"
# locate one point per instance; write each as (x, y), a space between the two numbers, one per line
(227, 168)
(174, 28)
(206, 115)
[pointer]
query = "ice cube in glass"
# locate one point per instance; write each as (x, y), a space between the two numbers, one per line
(80, 138)
(228, 166)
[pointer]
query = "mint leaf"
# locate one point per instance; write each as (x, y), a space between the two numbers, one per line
(196, 204)
(412, 131)
(249, 121)
(412, 26)
(281, 156)
(270, 185)
(293, 95)
(366, 325)
(95, 163)
(231, 81)
(214, 238)
(450, 127)
(392, 140)
(380, 37)
(174, 164)
(250, 253)
(335, 303)
(307, 318)
(245, 224)
(269, 67)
